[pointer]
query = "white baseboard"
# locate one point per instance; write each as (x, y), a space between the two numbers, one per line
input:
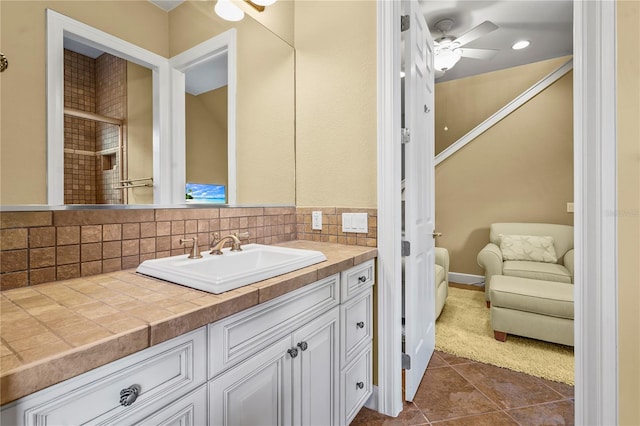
(372, 402)
(456, 277)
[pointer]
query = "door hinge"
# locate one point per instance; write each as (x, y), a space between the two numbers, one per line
(406, 248)
(404, 23)
(406, 362)
(406, 135)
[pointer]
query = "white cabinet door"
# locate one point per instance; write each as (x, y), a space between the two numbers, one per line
(256, 391)
(316, 371)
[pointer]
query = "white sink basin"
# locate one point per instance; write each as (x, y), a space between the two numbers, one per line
(219, 273)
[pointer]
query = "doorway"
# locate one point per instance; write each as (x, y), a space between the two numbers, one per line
(595, 234)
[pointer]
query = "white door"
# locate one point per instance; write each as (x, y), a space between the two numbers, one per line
(316, 371)
(419, 284)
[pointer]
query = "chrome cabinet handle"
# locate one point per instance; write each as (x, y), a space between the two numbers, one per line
(303, 346)
(360, 324)
(362, 279)
(360, 385)
(129, 395)
(293, 352)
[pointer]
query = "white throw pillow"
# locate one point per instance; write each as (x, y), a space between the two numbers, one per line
(532, 248)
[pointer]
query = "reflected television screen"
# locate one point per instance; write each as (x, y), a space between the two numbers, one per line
(205, 193)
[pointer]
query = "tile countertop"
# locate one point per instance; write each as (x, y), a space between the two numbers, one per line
(52, 332)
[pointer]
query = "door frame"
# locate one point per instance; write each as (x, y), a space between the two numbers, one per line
(595, 224)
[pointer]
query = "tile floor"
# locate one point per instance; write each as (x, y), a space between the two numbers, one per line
(457, 391)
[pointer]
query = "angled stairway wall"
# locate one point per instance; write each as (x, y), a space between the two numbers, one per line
(520, 169)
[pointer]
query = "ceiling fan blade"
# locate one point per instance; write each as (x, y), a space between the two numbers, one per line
(478, 53)
(476, 32)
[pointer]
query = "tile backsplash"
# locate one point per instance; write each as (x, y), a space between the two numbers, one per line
(44, 246)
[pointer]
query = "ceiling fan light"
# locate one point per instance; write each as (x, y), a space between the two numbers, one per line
(518, 45)
(228, 11)
(263, 2)
(445, 59)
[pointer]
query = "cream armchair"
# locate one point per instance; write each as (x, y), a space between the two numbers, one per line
(494, 262)
(442, 278)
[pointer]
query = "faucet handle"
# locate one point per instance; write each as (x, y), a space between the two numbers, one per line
(195, 254)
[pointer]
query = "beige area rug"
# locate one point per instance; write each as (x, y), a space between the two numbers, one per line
(464, 329)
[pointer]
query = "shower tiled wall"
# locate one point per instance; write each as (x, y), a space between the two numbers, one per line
(79, 134)
(91, 148)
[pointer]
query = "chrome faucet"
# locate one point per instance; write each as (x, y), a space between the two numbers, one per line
(195, 254)
(217, 243)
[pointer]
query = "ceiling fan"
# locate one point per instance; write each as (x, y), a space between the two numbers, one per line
(449, 49)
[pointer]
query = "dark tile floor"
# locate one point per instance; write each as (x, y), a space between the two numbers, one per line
(457, 391)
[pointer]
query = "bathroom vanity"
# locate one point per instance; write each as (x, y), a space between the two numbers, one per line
(301, 354)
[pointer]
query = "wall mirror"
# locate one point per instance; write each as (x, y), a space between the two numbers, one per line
(105, 147)
(264, 169)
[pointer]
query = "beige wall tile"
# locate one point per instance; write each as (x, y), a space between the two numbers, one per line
(111, 265)
(91, 234)
(12, 261)
(13, 280)
(40, 276)
(25, 219)
(67, 235)
(130, 231)
(91, 268)
(42, 237)
(42, 257)
(66, 272)
(129, 262)
(112, 232)
(130, 247)
(67, 254)
(163, 228)
(13, 239)
(111, 249)
(147, 245)
(147, 229)
(89, 252)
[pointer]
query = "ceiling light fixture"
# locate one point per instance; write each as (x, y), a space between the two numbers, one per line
(520, 44)
(447, 54)
(228, 11)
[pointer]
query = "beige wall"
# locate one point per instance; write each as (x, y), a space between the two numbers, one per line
(336, 103)
(139, 130)
(629, 210)
(464, 103)
(520, 170)
(23, 102)
(278, 18)
(206, 131)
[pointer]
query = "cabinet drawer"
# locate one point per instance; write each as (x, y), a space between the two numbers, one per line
(163, 373)
(356, 323)
(356, 387)
(356, 279)
(190, 410)
(239, 336)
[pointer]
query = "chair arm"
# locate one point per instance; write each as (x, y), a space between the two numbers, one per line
(490, 258)
(568, 262)
(442, 259)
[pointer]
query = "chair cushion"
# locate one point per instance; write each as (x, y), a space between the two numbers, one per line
(536, 271)
(535, 296)
(439, 275)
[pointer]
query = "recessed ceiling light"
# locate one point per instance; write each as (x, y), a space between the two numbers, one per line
(520, 44)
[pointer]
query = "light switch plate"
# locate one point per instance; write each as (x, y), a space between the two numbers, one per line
(355, 222)
(569, 207)
(316, 220)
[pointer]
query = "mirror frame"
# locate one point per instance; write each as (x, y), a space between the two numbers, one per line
(60, 27)
(180, 64)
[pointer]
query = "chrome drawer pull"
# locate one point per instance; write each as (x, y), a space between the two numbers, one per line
(362, 279)
(303, 346)
(129, 395)
(360, 385)
(293, 352)
(360, 324)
